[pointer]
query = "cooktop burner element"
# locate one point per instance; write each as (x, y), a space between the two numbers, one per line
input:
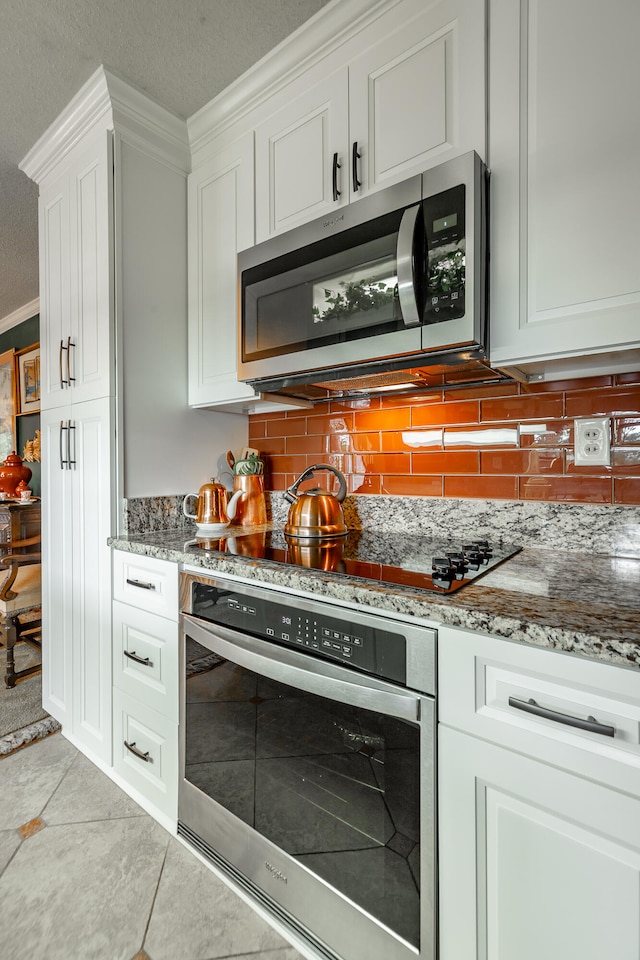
(412, 560)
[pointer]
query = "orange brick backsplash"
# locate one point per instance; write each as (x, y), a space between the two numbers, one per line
(503, 441)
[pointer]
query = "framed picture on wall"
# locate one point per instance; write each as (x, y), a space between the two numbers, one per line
(28, 377)
(7, 404)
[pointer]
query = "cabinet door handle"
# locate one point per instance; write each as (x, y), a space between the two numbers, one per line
(134, 656)
(71, 427)
(142, 584)
(131, 747)
(63, 383)
(355, 156)
(336, 167)
(63, 463)
(70, 379)
(590, 724)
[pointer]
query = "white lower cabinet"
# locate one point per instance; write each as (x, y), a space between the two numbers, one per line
(76, 581)
(145, 753)
(539, 820)
(534, 862)
(145, 679)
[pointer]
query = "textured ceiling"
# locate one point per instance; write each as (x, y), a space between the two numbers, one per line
(181, 52)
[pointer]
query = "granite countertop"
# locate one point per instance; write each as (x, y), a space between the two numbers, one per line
(582, 604)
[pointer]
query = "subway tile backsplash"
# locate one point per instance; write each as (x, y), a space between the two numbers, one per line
(501, 442)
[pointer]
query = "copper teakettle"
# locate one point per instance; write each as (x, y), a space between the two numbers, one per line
(316, 512)
(215, 509)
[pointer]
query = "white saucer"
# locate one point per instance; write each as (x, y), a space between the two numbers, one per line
(208, 528)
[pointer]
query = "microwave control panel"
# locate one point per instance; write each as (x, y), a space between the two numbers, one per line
(444, 222)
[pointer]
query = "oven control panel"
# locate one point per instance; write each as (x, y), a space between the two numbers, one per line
(336, 635)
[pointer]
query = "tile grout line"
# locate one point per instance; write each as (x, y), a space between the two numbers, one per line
(155, 895)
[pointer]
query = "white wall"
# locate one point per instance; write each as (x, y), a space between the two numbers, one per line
(168, 448)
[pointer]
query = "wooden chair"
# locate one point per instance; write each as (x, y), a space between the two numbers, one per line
(20, 602)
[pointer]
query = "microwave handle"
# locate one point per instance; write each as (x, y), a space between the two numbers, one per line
(405, 266)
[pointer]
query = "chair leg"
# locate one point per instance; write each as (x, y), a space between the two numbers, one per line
(12, 632)
(10, 635)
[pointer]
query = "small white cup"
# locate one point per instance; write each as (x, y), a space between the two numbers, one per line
(25, 494)
(3, 495)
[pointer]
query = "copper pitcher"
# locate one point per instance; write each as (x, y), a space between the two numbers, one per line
(251, 507)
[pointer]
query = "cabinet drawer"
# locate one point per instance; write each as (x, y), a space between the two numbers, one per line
(145, 658)
(575, 713)
(145, 751)
(146, 583)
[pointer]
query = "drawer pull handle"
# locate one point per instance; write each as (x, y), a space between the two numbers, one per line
(131, 747)
(590, 724)
(142, 584)
(134, 656)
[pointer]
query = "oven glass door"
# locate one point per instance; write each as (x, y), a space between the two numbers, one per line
(334, 785)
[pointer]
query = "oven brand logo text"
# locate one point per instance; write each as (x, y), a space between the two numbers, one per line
(332, 223)
(275, 872)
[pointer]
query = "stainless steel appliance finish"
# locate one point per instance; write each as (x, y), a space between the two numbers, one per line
(307, 760)
(390, 291)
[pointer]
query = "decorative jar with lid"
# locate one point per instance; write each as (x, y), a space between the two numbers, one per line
(12, 472)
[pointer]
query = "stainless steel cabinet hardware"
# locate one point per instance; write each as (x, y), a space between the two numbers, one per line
(70, 379)
(71, 428)
(336, 167)
(63, 463)
(355, 156)
(141, 584)
(131, 747)
(62, 380)
(590, 724)
(132, 655)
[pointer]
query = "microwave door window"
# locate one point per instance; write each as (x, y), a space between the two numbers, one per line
(346, 295)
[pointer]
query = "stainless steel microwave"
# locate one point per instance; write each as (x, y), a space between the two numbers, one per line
(393, 282)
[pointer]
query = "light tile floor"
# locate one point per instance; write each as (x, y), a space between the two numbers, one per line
(86, 873)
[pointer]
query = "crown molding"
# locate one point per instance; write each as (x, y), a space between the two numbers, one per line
(108, 100)
(323, 33)
(89, 106)
(20, 315)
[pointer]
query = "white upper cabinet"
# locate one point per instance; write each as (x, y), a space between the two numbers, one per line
(409, 93)
(417, 96)
(75, 299)
(564, 152)
(221, 219)
(301, 167)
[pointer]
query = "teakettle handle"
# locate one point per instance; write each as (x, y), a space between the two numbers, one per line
(291, 492)
(189, 496)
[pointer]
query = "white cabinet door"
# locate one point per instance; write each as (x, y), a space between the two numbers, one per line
(302, 161)
(76, 278)
(91, 445)
(57, 547)
(417, 96)
(55, 290)
(221, 222)
(76, 571)
(564, 157)
(534, 862)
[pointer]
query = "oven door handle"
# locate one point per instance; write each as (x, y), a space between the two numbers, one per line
(307, 673)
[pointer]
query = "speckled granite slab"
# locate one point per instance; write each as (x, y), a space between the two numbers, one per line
(589, 528)
(589, 605)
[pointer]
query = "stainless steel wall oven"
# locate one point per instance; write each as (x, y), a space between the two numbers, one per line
(308, 763)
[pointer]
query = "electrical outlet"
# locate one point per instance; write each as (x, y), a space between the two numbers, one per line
(592, 442)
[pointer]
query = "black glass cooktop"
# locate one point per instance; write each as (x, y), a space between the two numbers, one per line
(413, 560)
